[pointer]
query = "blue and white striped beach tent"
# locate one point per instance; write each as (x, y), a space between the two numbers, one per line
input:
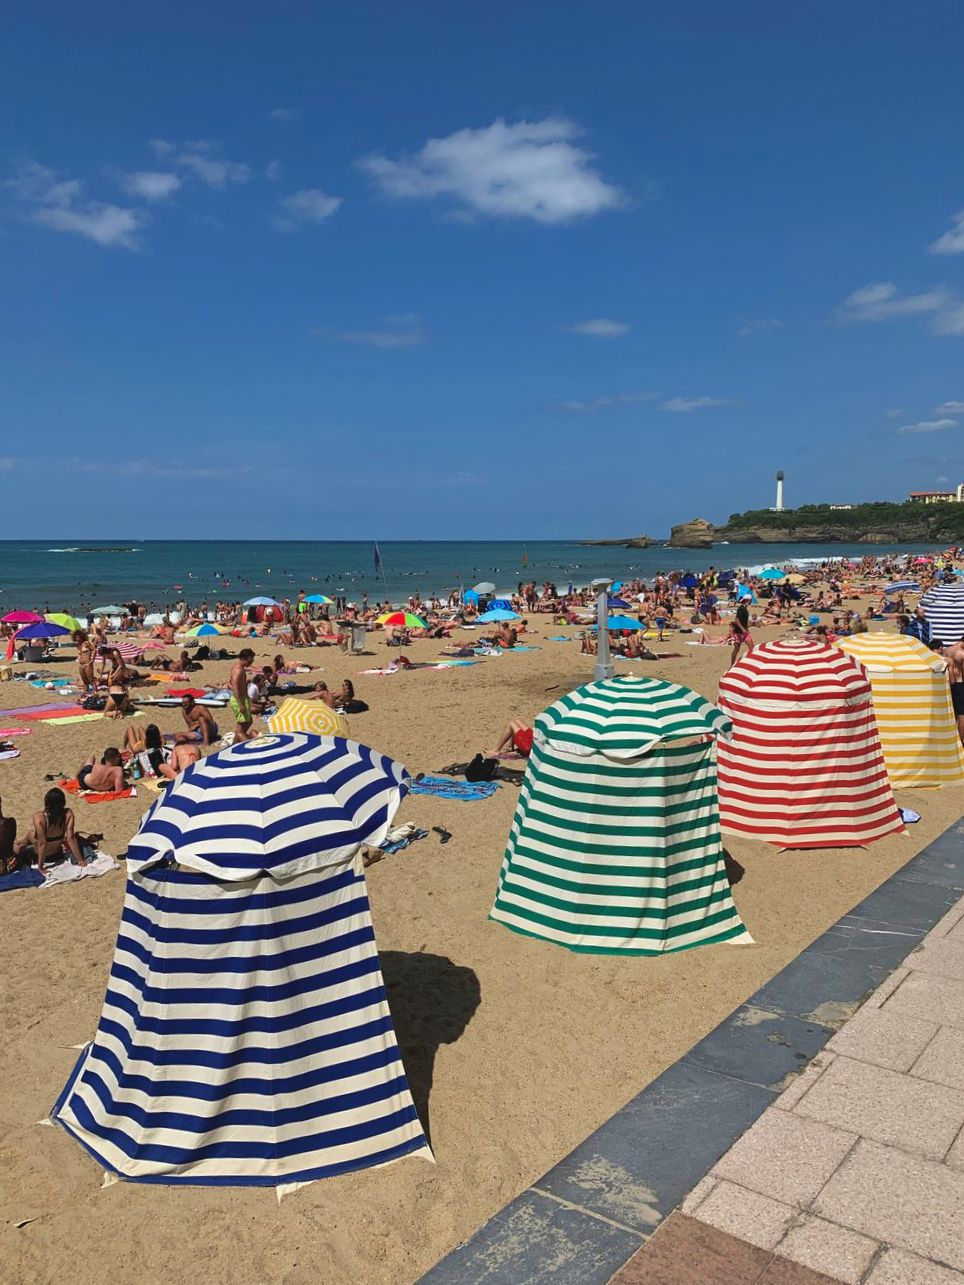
(944, 608)
(245, 1037)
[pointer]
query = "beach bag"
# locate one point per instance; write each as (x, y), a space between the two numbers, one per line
(481, 769)
(94, 702)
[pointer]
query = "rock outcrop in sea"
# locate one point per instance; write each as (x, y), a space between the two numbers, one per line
(695, 534)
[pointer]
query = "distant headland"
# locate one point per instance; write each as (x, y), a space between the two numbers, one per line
(879, 522)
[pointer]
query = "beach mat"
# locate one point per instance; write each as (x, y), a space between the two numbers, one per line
(45, 715)
(72, 786)
(89, 716)
(47, 707)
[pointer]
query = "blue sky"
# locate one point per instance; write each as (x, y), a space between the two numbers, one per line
(356, 270)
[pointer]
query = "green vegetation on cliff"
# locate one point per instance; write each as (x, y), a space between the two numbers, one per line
(907, 521)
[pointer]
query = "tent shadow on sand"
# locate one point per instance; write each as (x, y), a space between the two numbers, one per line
(432, 1002)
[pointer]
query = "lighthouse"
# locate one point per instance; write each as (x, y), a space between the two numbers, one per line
(778, 507)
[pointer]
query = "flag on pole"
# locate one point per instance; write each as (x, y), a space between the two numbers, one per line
(378, 559)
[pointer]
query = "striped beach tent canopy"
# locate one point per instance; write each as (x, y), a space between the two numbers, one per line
(912, 703)
(615, 844)
(804, 767)
(245, 1037)
(297, 715)
(944, 608)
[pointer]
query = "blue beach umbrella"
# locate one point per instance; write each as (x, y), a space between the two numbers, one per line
(899, 586)
(618, 604)
(261, 602)
(772, 573)
(319, 599)
(245, 1038)
(42, 629)
(497, 615)
(621, 622)
(500, 604)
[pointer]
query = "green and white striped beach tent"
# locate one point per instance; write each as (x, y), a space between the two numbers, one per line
(615, 845)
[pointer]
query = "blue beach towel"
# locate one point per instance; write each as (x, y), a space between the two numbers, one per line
(447, 788)
(28, 878)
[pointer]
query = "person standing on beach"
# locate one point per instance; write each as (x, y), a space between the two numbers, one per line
(240, 702)
(954, 655)
(740, 635)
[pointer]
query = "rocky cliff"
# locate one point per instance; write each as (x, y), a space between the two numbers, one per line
(696, 534)
(630, 542)
(909, 533)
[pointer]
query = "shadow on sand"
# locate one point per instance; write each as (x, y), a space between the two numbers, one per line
(432, 1002)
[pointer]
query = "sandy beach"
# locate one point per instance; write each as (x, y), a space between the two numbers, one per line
(515, 1049)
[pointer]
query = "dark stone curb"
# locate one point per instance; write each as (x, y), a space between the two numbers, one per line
(585, 1218)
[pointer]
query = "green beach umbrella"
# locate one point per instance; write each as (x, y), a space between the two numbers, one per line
(615, 845)
(61, 618)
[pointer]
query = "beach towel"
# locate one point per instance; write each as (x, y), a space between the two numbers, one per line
(29, 878)
(101, 864)
(17, 731)
(47, 707)
(76, 718)
(92, 796)
(53, 711)
(445, 788)
(9, 754)
(561, 638)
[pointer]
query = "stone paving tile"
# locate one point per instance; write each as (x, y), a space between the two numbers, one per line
(803, 1082)
(955, 1157)
(902, 1200)
(880, 1104)
(897, 1267)
(687, 1252)
(759, 1046)
(941, 862)
(933, 999)
(947, 922)
(876, 1035)
(698, 1194)
(884, 991)
(754, 1218)
(532, 1239)
(943, 1059)
(940, 958)
(825, 1247)
(781, 1271)
(637, 1167)
(785, 1157)
(907, 904)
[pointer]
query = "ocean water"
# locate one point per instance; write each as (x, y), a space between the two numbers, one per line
(77, 575)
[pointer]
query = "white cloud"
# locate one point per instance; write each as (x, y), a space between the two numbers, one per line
(200, 160)
(604, 403)
(7, 462)
(272, 171)
(151, 468)
(403, 330)
(942, 309)
(760, 326)
(683, 405)
(529, 170)
(943, 478)
(882, 301)
(928, 426)
(152, 185)
(895, 413)
(211, 170)
(284, 113)
(951, 242)
(950, 408)
(311, 205)
(42, 196)
(600, 328)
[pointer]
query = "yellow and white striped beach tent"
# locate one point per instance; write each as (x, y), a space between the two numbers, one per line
(296, 715)
(912, 702)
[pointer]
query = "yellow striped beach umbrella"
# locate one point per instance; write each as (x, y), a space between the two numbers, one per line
(912, 703)
(296, 715)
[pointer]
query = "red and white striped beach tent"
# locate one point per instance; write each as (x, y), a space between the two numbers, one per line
(804, 767)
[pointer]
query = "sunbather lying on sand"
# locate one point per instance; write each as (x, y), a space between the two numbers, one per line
(518, 735)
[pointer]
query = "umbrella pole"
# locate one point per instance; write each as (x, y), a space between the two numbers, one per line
(604, 666)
